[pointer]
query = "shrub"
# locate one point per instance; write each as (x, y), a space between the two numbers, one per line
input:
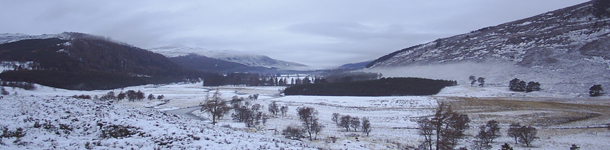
(118, 131)
(18, 133)
(293, 132)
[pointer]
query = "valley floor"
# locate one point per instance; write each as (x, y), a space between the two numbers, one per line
(561, 120)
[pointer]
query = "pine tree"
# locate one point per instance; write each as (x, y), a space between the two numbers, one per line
(481, 81)
(472, 80)
(595, 90)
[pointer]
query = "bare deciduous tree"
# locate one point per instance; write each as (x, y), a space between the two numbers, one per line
(527, 134)
(448, 125)
(427, 130)
(274, 108)
(513, 131)
(216, 106)
(366, 126)
(284, 110)
(493, 128)
(336, 118)
(344, 122)
(308, 116)
(355, 123)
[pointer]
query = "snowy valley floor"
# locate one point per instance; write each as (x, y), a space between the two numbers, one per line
(67, 123)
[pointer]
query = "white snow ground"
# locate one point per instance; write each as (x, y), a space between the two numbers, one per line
(393, 119)
(72, 123)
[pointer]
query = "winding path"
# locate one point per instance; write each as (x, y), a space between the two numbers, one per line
(187, 112)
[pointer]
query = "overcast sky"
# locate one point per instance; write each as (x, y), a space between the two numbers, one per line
(318, 33)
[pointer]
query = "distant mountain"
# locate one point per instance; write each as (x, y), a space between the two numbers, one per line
(566, 49)
(252, 60)
(86, 62)
(204, 63)
(353, 66)
(561, 36)
(13, 37)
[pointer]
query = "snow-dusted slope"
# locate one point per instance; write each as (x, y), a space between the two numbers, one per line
(566, 50)
(67, 123)
(13, 37)
(554, 39)
(248, 59)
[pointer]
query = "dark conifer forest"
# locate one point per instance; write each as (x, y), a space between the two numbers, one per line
(381, 87)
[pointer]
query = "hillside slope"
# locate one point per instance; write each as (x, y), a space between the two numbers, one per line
(252, 60)
(86, 62)
(204, 63)
(565, 46)
(543, 40)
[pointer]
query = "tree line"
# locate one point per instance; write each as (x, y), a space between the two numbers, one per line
(446, 127)
(381, 87)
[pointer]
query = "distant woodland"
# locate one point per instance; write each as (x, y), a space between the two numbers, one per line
(91, 63)
(381, 87)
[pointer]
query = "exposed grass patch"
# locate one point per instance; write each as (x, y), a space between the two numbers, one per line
(541, 113)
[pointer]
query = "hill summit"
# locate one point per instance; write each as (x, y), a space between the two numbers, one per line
(546, 40)
(567, 50)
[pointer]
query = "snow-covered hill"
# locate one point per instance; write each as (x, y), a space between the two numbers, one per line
(566, 50)
(547, 40)
(67, 123)
(13, 37)
(253, 60)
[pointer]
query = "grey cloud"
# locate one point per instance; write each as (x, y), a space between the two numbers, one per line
(314, 32)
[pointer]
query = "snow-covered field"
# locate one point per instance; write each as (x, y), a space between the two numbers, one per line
(68, 123)
(393, 119)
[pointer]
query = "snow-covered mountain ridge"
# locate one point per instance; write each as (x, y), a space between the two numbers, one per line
(13, 37)
(253, 60)
(552, 39)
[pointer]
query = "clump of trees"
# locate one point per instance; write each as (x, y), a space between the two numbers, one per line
(487, 134)
(519, 85)
(595, 90)
(246, 113)
(381, 87)
(253, 97)
(275, 109)
(444, 129)
(82, 96)
(348, 122)
(23, 85)
(293, 132)
(474, 79)
(252, 117)
(131, 95)
(522, 134)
